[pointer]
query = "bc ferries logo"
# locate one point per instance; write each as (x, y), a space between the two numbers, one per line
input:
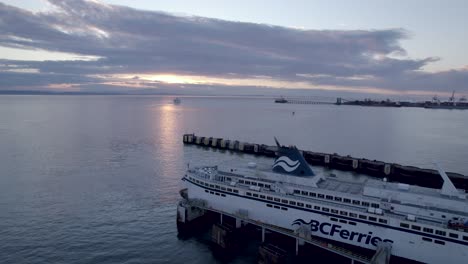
(337, 230)
(286, 163)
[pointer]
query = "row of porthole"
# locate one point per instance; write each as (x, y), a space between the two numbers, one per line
(435, 240)
(324, 209)
(215, 193)
(336, 198)
(431, 231)
(214, 186)
(277, 207)
(259, 184)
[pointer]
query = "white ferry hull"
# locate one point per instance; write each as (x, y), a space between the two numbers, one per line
(405, 244)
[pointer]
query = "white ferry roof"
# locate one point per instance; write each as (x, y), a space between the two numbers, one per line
(354, 186)
(415, 195)
(361, 186)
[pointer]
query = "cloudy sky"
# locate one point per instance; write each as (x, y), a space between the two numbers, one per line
(381, 48)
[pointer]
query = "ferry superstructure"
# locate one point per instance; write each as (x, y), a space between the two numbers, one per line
(420, 224)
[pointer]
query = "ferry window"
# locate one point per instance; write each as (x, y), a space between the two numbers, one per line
(270, 198)
(321, 196)
(284, 208)
(211, 192)
(276, 207)
(465, 238)
(313, 194)
(439, 242)
(352, 223)
(228, 179)
(247, 182)
(292, 203)
(353, 215)
(356, 202)
(426, 239)
(217, 194)
(255, 195)
(262, 196)
(241, 181)
(382, 220)
(304, 193)
(254, 183)
(267, 186)
(223, 188)
(236, 191)
(404, 225)
(297, 191)
(362, 217)
(317, 207)
(229, 190)
(249, 194)
(334, 211)
(260, 185)
(428, 230)
(343, 213)
(329, 197)
(211, 185)
(375, 205)
(308, 206)
(277, 199)
(223, 195)
(269, 205)
(300, 204)
(440, 233)
(217, 186)
(443, 216)
(365, 204)
(372, 218)
(206, 191)
(284, 201)
(343, 221)
(452, 235)
(325, 209)
(334, 219)
(346, 200)
(415, 227)
(338, 199)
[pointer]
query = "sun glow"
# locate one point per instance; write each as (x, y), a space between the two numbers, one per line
(151, 81)
(173, 78)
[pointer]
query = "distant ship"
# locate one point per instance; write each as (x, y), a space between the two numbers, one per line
(281, 100)
(177, 100)
(415, 223)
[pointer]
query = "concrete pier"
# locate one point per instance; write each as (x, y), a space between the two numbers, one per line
(225, 237)
(374, 168)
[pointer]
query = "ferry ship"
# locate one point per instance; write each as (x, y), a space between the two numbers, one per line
(420, 224)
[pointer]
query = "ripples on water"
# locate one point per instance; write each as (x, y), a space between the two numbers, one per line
(95, 179)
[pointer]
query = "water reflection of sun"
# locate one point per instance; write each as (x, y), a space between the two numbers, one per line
(166, 130)
(167, 120)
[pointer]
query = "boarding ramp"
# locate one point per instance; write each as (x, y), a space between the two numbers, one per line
(382, 254)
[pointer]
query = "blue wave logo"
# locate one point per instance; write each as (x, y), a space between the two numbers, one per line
(301, 222)
(286, 163)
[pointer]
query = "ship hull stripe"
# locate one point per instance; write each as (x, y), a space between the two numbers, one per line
(334, 215)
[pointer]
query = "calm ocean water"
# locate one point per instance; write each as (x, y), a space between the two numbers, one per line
(95, 179)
